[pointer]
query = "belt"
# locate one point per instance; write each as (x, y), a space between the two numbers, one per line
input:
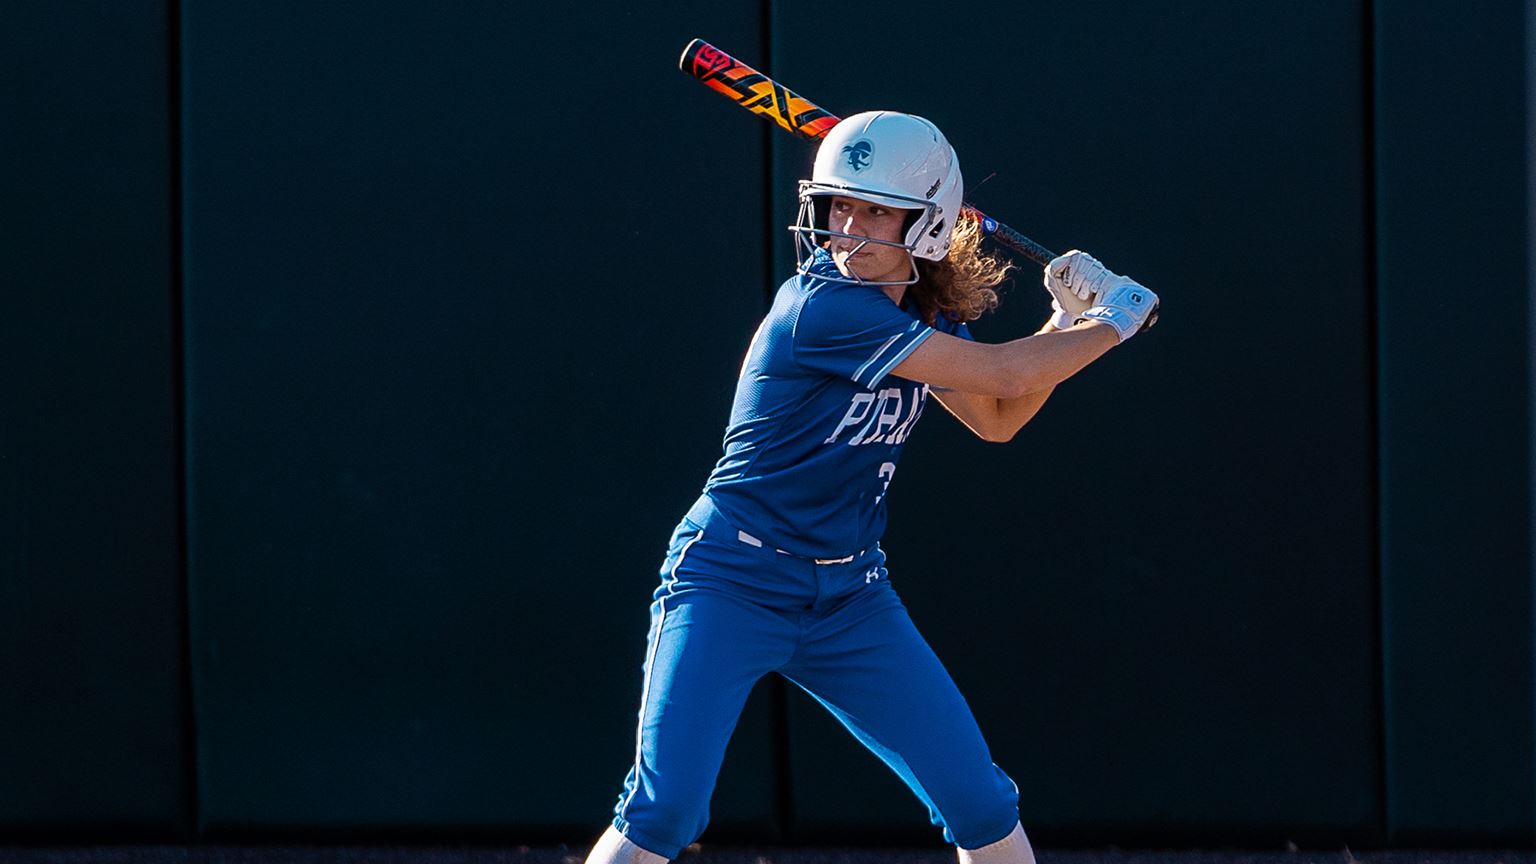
(753, 541)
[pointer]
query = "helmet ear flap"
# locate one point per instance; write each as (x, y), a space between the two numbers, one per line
(911, 228)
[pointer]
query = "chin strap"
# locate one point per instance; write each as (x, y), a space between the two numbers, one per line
(615, 848)
(1013, 849)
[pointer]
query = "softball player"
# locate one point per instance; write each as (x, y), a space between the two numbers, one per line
(777, 567)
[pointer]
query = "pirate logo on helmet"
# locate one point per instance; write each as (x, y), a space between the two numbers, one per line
(859, 154)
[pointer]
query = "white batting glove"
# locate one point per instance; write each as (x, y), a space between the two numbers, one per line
(1124, 305)
(1075, 281)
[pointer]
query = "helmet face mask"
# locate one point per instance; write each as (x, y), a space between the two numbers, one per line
(886, 158)
(813, 232)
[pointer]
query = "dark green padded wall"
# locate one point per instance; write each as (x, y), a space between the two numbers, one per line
(91, 706)
(1456, 433)
(459, 356)
(1160, 598)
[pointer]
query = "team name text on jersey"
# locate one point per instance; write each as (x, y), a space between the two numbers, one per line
(879, 417)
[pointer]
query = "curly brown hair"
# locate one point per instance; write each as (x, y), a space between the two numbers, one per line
(962, 286)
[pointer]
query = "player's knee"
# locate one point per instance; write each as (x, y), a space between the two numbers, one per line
(985, 816)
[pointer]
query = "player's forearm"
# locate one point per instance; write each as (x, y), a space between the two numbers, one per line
(1037, 363)
(1013, 413)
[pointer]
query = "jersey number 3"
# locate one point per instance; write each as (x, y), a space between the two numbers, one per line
(887, 471)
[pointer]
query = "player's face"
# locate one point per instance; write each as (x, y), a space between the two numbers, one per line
(874, 262)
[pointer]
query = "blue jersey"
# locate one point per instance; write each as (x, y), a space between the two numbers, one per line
(818, 421)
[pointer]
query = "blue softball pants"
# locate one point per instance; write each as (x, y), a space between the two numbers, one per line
(731, 609)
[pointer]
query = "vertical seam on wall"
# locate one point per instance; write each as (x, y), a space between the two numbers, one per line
(783, 779)
(1374, 366)
(178, 342)
(1530, 332)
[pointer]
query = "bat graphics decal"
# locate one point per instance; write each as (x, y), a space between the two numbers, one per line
(757, 92)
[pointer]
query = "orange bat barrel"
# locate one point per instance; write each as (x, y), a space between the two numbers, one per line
(755, 91)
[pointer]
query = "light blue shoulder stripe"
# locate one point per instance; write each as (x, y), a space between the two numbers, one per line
(881, 350)
(875, 356)
(902, 354)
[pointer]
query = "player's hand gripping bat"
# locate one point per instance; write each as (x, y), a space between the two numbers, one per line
(768, 98)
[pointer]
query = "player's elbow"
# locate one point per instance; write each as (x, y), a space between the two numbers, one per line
(997, 436)
(992, 429)
(1004, 430)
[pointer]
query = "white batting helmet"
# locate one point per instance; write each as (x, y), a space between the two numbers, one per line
(891, 158)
